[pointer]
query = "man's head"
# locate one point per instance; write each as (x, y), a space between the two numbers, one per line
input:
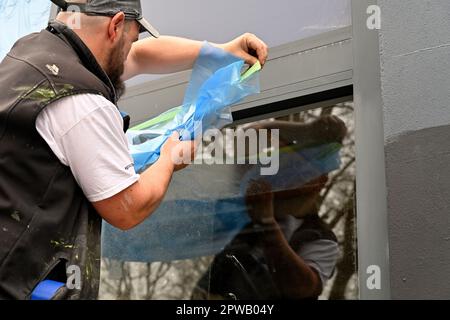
(109, 8)
(108, 28)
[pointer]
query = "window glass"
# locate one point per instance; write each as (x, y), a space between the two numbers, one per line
(19, 18)
(276, 22)
(236, 231)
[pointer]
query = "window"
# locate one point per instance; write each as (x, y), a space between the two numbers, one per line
(206, 241)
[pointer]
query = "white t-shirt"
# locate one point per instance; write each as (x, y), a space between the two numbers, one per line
(86, 134)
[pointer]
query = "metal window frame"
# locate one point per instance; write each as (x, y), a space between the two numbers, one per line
(329, 68)
(371, 191)
(304, 72)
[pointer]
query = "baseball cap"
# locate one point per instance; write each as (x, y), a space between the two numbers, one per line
(131, 8)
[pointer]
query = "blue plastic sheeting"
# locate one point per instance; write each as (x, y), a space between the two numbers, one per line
(19, 18)
(205, 205)
(46, 290)
(205, 208)
(179, 229)
(215, 85)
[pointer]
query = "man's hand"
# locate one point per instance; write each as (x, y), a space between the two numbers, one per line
(179, 153)
(329, 129)
(248, 47)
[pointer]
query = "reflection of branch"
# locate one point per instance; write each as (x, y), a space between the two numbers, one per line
(347, 266)
(337, 218)
(109, 287)
(327, 111)
(334, 179)
(151, 282)
(326, 215)
(125, 280)
(148, 294)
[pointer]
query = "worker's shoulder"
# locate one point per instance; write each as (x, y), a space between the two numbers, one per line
(81, 110)
(75, 108)
(44, 55)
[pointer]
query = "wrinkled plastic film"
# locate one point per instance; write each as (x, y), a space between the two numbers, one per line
(20, 18)
(205, 208)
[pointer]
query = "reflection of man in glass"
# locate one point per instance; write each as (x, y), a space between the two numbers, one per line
(287, 252)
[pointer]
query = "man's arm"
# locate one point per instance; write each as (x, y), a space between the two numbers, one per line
(326, 129)
(133, 205)
(172, 54)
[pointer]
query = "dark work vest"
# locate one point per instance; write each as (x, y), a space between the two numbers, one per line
(46, 222)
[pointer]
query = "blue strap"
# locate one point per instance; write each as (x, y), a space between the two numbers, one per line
(46, 290)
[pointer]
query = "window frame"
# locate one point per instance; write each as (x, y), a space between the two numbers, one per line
(371, 187)
(322, 72)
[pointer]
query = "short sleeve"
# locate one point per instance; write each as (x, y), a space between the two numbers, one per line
(86, 133)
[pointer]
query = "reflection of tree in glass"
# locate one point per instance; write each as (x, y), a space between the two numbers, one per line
(338, 209)
(176, 280)
(150, 281)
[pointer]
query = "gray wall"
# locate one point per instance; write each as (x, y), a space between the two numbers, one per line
(415, 82)
(371, 202)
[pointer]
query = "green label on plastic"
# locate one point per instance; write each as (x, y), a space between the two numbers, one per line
(255, 68)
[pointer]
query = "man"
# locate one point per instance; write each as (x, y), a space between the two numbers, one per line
(64, 162)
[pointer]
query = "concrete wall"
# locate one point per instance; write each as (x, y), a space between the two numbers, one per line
(19, 18)
(415, 81)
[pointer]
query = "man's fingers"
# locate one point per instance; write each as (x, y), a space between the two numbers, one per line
(175, 136)
(249, 59)
(183, 154)
(257, 45)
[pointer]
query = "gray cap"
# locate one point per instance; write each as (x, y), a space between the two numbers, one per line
(131, 8)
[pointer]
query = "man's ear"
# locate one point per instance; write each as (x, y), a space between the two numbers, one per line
(116, 26)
